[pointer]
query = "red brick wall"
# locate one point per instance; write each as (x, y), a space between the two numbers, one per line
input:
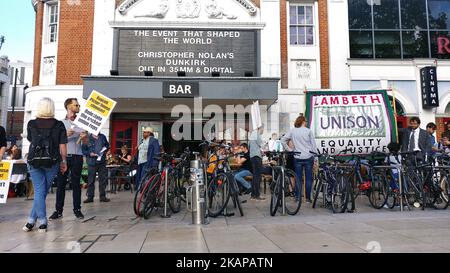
(284, 45)
(76, 26)
(324, 46)
(38, 43)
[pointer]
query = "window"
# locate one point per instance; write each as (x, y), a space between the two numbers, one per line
(399, 28)
(52, 22)
(301, 25)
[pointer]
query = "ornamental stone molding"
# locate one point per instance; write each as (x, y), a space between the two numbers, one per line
(188, 8)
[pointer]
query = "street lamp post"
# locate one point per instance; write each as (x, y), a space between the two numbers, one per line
(13, 102)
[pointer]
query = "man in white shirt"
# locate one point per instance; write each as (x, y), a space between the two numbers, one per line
(416, 139)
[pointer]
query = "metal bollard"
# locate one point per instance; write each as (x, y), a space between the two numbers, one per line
(198, 193)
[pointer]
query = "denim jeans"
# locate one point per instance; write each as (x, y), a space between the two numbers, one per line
(239, 176)
(42, 181)
(306, 164)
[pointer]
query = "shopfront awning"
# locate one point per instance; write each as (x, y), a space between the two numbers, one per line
(135, 93)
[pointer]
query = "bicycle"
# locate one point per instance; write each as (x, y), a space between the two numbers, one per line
(221, 185)
(332, 182)
(285, 187)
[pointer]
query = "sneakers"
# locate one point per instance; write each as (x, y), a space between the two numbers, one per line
(89, 200)
(55, 215)
(28, 227)
(247, 191)
(78, 214)
(259, 198)
(104, 199)
(43, 228)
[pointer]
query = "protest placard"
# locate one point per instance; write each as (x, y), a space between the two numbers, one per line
(5, 174)
(94, 114)
(256, 115)
(361, 121)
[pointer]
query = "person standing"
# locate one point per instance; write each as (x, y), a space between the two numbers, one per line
(256, 159)
(303, 140)
(47, 155)
(415, 139)
(147, 151)
(431, 128)
(2, 142)
(95, 151)
(74, 163)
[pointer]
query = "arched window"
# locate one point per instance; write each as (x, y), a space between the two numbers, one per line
(400, 111)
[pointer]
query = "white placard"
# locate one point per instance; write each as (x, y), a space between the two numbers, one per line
(5, 175)
(95, 113)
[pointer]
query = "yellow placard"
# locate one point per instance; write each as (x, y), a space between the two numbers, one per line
(100, 104)
(5, 170)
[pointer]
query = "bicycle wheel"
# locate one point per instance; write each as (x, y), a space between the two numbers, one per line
(276, 197)
(138, 196)
(234, 191)
(151, 196)
(441, 194)
(391, 195)
(218, 195)
(292, 193)
(174, 194)
(415, 190)
(378, 191)
(339, 196)
(318, 187)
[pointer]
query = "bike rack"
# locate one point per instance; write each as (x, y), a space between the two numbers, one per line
(166, 171)
(283, 201)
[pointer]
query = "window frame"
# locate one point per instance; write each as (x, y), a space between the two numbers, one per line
(299, 25)
(428, 30)
(52, 25)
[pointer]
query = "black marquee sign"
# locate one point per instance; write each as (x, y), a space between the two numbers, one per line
(198, 53)
(429, 87)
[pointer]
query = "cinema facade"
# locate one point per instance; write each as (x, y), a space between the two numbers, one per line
(386, 44)
(153, 55)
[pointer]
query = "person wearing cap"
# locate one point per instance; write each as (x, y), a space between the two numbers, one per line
(147, 150)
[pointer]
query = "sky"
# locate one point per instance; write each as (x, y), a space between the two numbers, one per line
(17, 19)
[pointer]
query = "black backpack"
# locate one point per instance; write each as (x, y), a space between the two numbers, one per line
(43, 152)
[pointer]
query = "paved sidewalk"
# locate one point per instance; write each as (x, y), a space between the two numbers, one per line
(112, 227)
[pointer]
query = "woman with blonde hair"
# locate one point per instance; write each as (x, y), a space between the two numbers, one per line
(46, 156)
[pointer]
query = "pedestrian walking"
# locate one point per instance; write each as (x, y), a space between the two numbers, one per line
(46, 156)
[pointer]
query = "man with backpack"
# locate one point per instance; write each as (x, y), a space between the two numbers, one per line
(46, 156)
(74, 163)
(95, 151)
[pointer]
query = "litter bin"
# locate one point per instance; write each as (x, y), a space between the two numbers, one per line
(198, 193)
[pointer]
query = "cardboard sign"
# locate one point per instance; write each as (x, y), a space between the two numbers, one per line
(256, 115)
(94, 114)
(5, 174)
(360, 121)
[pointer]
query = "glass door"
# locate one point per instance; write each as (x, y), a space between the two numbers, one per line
(157, 130)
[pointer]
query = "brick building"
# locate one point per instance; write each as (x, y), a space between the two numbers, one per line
(276, 50)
